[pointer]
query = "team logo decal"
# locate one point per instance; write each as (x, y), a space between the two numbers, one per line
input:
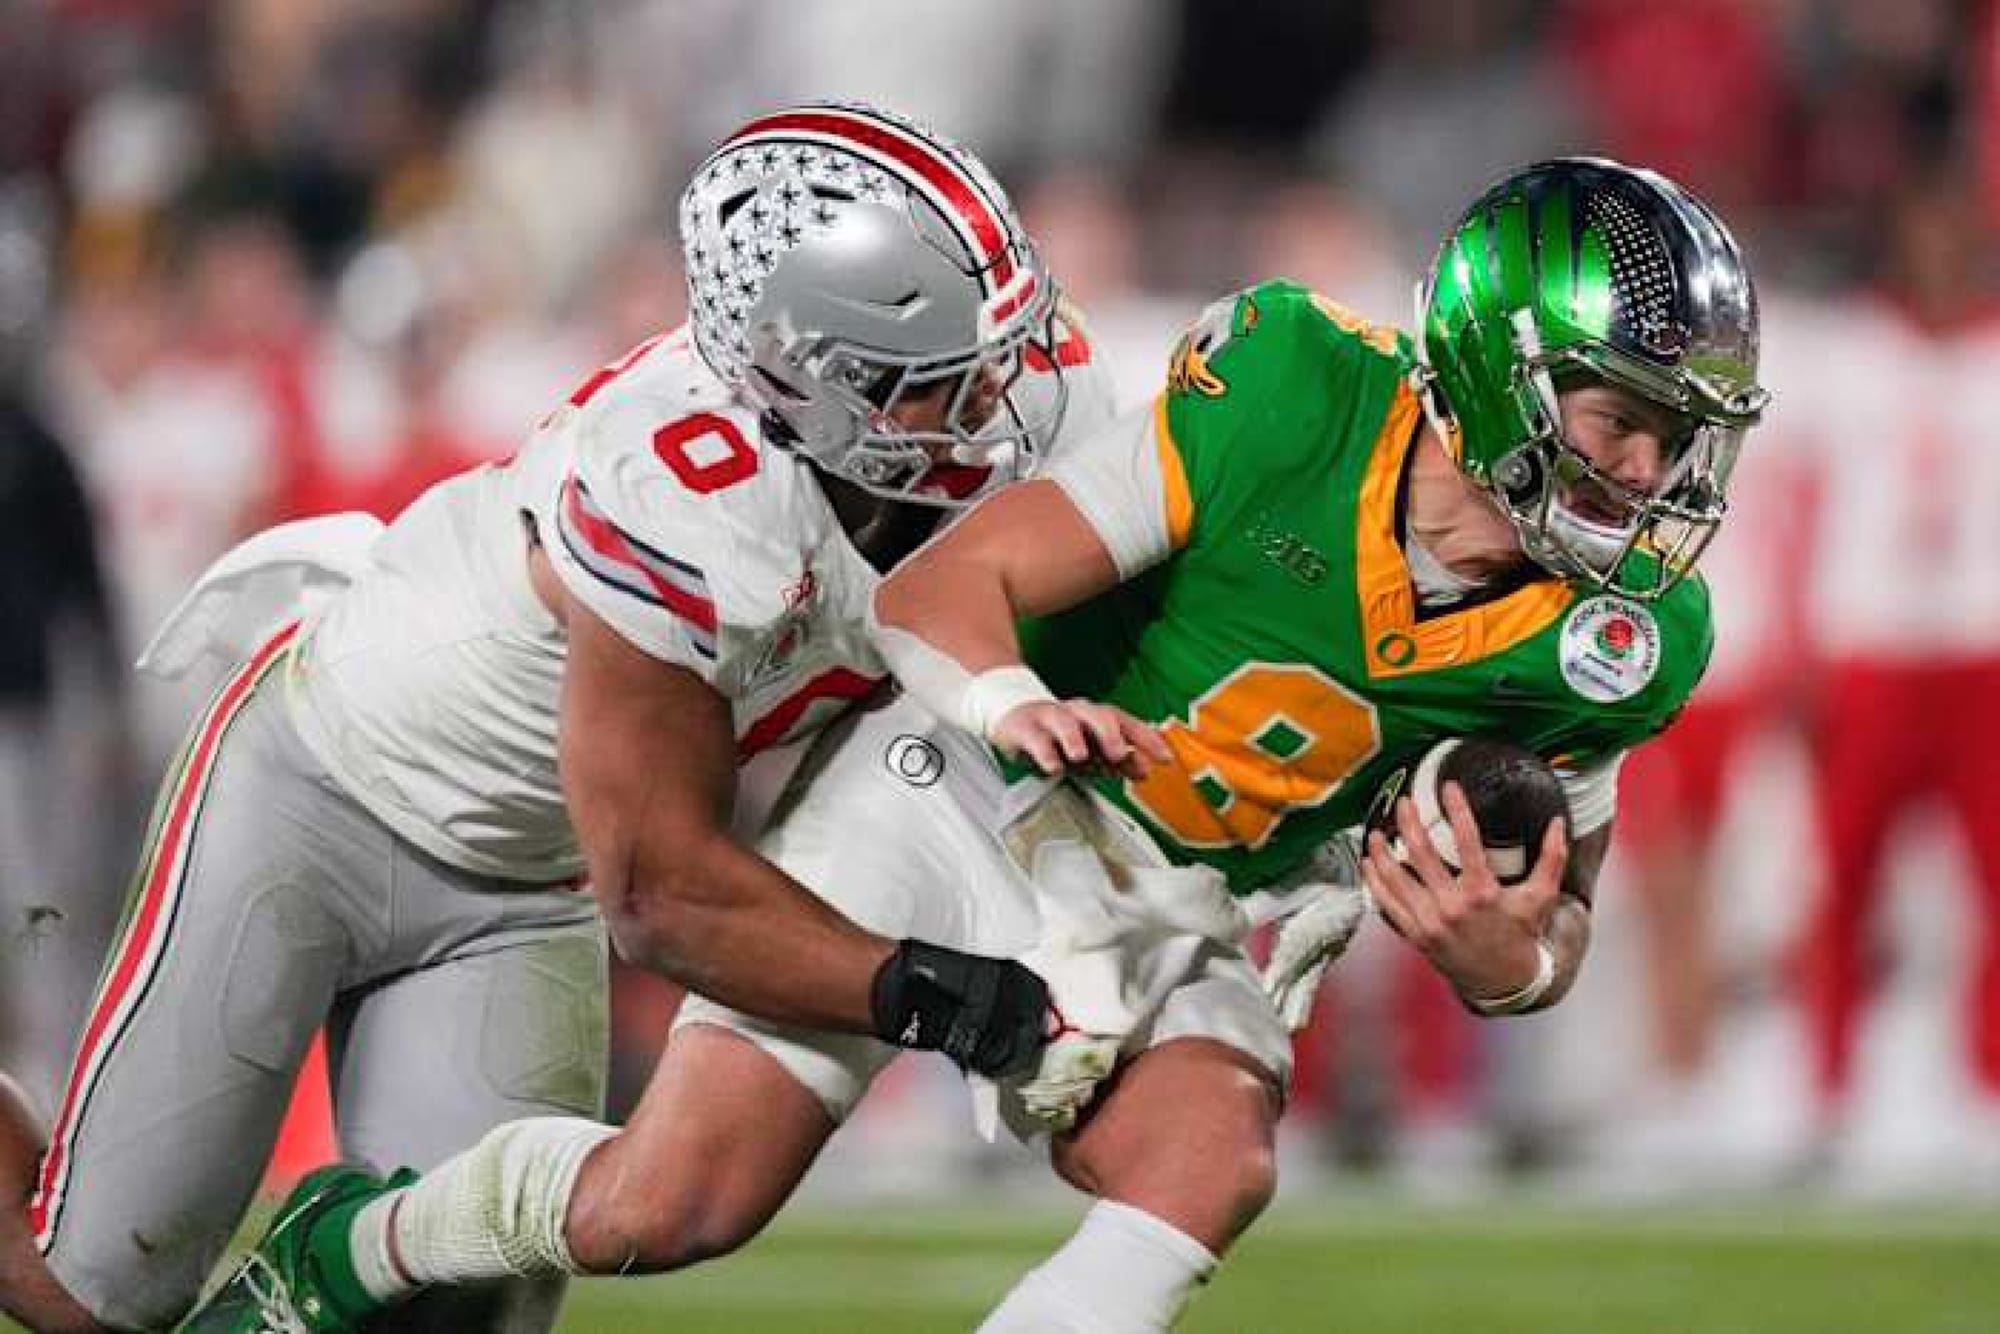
(1396, 649)
(1610, 649)
(1189, 371)
(791, 631)
(915, 761)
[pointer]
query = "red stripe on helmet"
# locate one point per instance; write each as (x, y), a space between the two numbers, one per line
(936, 170)
(1010, 306)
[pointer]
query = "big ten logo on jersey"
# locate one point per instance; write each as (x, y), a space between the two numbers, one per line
(1189, 370)
(1287, 550)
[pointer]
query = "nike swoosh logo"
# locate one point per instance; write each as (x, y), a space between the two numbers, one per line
(1505, 688)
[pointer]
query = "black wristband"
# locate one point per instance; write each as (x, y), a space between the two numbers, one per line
(989, 1015)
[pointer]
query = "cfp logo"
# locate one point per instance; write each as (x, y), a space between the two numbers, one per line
(915, 761)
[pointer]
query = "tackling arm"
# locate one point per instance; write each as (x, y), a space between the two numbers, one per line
(648, 758)
(1027, 551)
(944, 621)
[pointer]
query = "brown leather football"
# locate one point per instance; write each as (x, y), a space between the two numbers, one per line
(1512, 791)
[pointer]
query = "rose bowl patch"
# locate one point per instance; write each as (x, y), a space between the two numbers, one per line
(1610, 648)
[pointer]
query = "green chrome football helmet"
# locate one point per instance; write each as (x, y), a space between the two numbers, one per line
(1582, 268)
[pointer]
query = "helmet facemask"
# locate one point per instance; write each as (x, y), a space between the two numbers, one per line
(1579, 520)
(923, 430)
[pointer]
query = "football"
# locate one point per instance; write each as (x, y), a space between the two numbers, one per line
(1513, 793)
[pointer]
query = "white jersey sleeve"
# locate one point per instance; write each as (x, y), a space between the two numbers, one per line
(671, 521)
(1104, 462)
(1115, 480)
(1592, 793)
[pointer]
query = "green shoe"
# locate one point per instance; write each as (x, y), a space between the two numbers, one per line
(295, 1281)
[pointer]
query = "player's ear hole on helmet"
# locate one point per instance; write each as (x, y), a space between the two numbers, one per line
(774, 387)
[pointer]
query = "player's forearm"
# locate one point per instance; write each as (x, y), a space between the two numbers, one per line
(1025, 552)
(721, 920)
(1569, 937)
(726, 923)
(947, 633)
(945, 620)
(955, 604)
(1568, 933)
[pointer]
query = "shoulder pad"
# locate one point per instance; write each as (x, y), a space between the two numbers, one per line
(674, 520)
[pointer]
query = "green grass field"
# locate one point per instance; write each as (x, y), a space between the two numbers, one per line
(1396, 1270)
(1383, 1269)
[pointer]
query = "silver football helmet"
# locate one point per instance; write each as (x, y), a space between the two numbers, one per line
(844, 263)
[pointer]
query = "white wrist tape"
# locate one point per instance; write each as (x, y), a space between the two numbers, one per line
(937, 681)
(1514, 1002)
(996, 692)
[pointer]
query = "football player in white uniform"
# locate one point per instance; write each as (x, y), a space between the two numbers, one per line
(546, 674)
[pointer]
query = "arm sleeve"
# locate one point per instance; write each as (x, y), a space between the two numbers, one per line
(1117, 482)
(687, 574)
(1592, 793)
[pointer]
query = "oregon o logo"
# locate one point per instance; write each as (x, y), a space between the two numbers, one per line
(1396, 649)
(915, 761)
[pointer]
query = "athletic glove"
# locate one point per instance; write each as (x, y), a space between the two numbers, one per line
(1111, 951)
(1319, 911)
(989, 1015)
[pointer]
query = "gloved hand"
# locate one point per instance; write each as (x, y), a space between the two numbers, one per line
(1098, 953)
(1320, 906)
(1308, 942)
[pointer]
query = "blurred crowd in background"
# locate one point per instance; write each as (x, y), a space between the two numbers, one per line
(265, 258)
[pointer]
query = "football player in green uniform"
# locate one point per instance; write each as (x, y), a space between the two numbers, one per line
(1325, 547)
(1329, 545)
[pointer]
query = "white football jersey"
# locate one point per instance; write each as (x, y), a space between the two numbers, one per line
(1896, 422)
(431, 686)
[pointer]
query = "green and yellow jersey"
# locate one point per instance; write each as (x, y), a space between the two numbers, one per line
(1269, 624)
